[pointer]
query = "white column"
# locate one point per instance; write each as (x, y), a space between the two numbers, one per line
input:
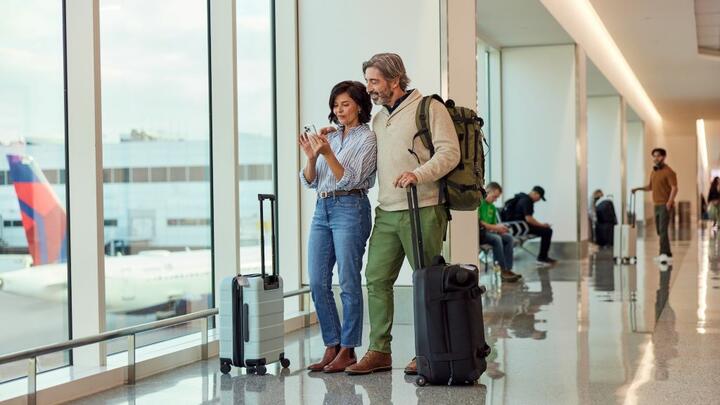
(636, 170)
(460, 84)
(85, 178)
(225, 177)
(543, 134)
(606, 163)
(288, 156)
(581, 142)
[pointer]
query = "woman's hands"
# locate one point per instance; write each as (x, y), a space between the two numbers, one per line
(320, 145)
(306, 146)
(315, 145)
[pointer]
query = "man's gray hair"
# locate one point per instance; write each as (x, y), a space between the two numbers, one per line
(391, 66)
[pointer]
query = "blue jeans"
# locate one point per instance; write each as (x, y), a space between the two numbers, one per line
(339, 231)
(502, 248)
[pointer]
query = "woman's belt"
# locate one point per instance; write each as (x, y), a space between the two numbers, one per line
(338, 193)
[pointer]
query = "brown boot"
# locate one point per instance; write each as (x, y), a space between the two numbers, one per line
(372, 362)
(345, 358)
(411, 369)
(330, 353)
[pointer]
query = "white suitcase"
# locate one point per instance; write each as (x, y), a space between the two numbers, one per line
(625, 237)
(251, 314)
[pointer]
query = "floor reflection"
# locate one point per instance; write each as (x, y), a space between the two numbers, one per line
(577, 333)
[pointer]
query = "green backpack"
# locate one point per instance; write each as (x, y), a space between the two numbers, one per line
(462, 187)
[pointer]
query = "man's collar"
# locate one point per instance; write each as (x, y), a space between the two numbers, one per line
(399, 101)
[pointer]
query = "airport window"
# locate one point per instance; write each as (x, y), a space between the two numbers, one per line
(107, 176)
(32, 107)
(139, 174)
(63, 176)
(158, 174)
(121, 175)
(51, 176)
(198, 174)
(178, 174)
(256, 119)
(156, 112)
(12, 224)
(188, 222)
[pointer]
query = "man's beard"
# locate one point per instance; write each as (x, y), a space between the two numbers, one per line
(381, 99)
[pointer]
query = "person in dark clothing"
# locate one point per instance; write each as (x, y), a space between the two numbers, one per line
(713, 201)
(521, 208)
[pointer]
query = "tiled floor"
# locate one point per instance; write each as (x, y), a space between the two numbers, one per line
(582, 332)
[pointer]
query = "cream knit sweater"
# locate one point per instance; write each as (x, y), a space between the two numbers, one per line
(394, 134)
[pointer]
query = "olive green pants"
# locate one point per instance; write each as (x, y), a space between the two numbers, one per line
(391, 241)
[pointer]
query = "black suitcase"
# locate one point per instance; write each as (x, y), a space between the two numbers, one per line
(450, 342)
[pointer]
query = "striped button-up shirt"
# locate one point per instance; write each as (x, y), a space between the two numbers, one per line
(357, 154)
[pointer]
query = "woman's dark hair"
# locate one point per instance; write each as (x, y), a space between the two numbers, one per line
(358, 93)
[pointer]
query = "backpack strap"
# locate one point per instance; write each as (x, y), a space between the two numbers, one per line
(422, 121)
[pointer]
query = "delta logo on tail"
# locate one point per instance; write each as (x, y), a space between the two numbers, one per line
(43, 216)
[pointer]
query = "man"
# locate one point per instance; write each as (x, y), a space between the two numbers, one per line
(496, 235)
(402, 160)
(521, 208)
(663, 184)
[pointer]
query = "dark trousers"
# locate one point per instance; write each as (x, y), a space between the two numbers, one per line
(662, 222)
(545, 235)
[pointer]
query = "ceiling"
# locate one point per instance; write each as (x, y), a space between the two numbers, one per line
(707, 23)
(509, 23)
(658, 39)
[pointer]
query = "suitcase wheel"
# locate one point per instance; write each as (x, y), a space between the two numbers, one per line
(285, 363)
(420, 381)
(224, 367)
(261, 370)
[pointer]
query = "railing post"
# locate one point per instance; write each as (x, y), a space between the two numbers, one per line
(131, 360)
(204, 338)
(32, 381)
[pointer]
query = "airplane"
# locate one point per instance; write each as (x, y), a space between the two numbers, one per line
(150, 281)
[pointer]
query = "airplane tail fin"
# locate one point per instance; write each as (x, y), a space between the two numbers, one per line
(43, 216)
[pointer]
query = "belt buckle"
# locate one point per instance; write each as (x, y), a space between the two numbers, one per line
(324, 194)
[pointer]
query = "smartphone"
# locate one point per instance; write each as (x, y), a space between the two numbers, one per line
(309, 130)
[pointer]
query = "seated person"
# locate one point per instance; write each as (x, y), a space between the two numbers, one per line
(521, 208)
(605, 221)
(497, 235)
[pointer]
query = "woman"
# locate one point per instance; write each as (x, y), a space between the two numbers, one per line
(713, 200)
(341, 167)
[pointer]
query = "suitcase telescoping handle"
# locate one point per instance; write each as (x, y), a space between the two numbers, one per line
(415, 231)
(262, 198)
(632, 210)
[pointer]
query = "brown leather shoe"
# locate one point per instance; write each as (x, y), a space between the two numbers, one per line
(370, 363)
(411, 369)
(330, 353)
(345, 358)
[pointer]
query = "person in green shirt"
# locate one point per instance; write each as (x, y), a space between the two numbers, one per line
(496, 235)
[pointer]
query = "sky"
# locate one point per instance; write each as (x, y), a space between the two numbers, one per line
(154, 69)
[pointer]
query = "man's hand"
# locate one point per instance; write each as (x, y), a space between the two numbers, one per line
(501, 229)
(405, 180)
(546, 225)
(669, 205)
